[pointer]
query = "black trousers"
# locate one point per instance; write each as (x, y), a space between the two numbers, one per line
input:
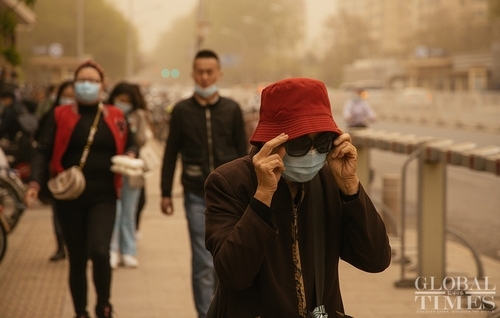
(57, 229)
(87, 228)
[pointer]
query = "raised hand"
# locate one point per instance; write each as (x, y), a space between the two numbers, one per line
(268, 163)
(342, 160)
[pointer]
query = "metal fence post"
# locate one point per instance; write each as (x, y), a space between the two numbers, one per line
(431, 218)
(390, 196)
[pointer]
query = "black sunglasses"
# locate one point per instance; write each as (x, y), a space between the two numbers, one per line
(300, 146)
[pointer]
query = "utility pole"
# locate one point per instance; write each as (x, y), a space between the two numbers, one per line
(130, 55)
(80, 43)
(202, 23)
(269, 30)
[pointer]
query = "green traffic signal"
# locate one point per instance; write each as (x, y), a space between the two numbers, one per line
(166, 73)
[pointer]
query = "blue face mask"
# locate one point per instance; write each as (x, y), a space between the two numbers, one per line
(303, 169)
(205, 92)
(125, 107)
(87, 92)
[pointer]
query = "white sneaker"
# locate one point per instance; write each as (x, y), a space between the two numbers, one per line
(130, 261)
(114, 259)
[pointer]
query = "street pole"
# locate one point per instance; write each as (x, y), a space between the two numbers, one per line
(130, 55)
(202, 23)
(80, 44)
(243, 46)
(267, 28)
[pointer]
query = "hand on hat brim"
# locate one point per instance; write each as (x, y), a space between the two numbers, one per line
(342, 161)
(268, 164)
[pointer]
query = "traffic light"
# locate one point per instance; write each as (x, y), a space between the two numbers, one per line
(165, 73)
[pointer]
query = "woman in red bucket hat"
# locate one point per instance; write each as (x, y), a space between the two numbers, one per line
(279, 219)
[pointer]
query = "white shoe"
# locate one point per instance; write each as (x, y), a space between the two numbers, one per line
(114, 259)
(130, 261)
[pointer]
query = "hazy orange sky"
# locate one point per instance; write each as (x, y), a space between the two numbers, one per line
(152, 17)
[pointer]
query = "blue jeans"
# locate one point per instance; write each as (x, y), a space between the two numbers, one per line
(123, 239)
(203, 273)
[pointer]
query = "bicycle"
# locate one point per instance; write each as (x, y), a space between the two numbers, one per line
(12, 193)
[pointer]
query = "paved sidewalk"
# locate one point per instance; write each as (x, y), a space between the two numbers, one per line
(31, 286)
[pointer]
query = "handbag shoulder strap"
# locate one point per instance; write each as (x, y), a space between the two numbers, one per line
(318, 206)
(90, 138)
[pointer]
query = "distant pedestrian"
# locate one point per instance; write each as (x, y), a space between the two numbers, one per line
(208, 131)
(17, 126)
(149, 132)
(87, 221)
(47, 99)
(9, 116)
(123, 243)
(358, 113)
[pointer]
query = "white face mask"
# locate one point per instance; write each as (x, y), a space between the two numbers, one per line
(303, 169)
(66, 100)
(205, 92)
(125, 107)
(87, 92)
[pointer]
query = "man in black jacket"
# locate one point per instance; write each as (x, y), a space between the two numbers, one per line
(207, 130)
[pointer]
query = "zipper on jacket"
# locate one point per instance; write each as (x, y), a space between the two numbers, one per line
(208, 117)
(299, 280)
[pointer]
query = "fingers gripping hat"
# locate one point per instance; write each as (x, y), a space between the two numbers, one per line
(295, 106)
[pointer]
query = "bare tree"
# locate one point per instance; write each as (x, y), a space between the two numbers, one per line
(349, 40)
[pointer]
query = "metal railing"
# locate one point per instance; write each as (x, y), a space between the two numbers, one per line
(473, 111)
(433, 155)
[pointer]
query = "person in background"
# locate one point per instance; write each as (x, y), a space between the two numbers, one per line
(87, 221)
(123, 242)
(149, 131)
(265, 209)
(65, 95)
(207, 130)
(46, 100)
(9, 123)
(17, 126)
(358, 113)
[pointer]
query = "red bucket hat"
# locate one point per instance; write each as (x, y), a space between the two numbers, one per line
(295, 106)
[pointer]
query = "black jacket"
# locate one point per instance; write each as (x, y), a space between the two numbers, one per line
(206, 137)
(254, 257)
(9, 124)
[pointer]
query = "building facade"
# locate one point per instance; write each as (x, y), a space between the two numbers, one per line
(25, 17)
(393, 22)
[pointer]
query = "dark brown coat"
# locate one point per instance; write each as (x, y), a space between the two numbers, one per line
(254, 260)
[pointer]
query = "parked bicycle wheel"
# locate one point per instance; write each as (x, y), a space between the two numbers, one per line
(11, 197)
